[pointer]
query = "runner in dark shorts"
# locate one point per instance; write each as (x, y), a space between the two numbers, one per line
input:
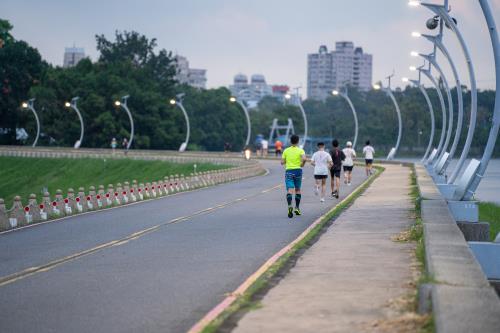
(337, 157)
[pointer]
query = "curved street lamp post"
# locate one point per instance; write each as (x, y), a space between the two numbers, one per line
(388, 91)
(31, 105)
(233, 99)
(73, 105)
(123, 104)
(178, 101)
(346, 97)
(442, 12)
(431, 111)
(437, 40)
(442, 158)
(431, 78)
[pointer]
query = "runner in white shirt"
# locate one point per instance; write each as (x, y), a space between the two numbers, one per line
(348, 164)
(369, 152)
(322, 162)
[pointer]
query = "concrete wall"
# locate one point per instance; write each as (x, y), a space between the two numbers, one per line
(462, 298)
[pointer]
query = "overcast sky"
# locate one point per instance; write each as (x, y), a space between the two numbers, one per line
(270, 37)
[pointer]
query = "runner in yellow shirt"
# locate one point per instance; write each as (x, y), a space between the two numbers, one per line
(294, 158)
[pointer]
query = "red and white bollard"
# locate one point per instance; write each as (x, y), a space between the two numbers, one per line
(67, 207)
(55, 209)
(27, 215)
(43, 213)
(79, 206)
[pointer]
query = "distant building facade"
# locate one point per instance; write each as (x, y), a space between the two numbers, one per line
(195, 77)
(347, 65)
(250, 91)
(72, 56)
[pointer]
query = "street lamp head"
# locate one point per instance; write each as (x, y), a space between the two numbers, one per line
(432, 23)
(413, 3)
(416, 34)
(67, 104)
(405, 79)
(24, 105)
(232, 99)
(288, 96)
(172, 101)
(414, 53)
(377, 86)
(118, 103)
(335, 92)
(413, 68)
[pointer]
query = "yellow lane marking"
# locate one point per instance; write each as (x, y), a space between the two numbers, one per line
(8, 279)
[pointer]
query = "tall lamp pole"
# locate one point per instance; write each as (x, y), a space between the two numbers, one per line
(389, 93)
(493, 135)
(442, 12)
(31, 105)
(73, 105)
(437, 41)
(346, 97)
(431, 78)
(303, 112)
(431, 111)
(178, 101)
(123, 104)
(432, 61)
(233, 99)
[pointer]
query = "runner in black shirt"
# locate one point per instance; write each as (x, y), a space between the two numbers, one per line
(337, 157)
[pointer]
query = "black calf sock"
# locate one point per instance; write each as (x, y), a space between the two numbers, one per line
(289, 199)
(297, 200)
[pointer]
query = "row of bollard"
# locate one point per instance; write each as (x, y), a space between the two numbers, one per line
(113, 196)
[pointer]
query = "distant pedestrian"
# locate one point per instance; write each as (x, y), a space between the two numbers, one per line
(322, 162)
(227, 147)
(265, 147)
(114, 144)
(348, 164)
(369, 152)
(337, 158)
(293, 159)
(278, 146)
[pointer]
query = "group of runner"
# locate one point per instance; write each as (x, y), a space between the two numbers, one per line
(332, 162)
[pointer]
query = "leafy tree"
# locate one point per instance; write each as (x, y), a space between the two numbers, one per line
(21, 67)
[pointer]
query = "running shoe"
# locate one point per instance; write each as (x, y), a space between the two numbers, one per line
(349, 184)
(297, 211)
(290, 212)
(322, 200)
(333, 194)
(337, 194)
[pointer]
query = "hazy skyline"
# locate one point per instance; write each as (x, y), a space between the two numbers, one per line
(272, 38)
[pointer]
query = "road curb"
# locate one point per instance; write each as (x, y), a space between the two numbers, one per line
(220, 308)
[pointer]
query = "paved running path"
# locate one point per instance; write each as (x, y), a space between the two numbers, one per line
(345, 281)
(162, 281)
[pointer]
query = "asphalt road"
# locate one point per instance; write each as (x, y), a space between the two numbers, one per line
(155, 266)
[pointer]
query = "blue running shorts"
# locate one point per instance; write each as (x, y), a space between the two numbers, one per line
(293, 179)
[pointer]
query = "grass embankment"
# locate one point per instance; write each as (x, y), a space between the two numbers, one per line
(247, 301)
(25, 175)
(490, 212)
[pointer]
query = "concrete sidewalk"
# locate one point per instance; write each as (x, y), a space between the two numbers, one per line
(351, 278)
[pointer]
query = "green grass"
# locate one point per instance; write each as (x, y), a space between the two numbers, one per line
(490, 212)
(246, 301)
(25, 175)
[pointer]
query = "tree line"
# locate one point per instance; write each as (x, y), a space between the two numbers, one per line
(131, 64)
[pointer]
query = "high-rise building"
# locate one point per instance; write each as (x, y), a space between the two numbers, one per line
(194, 77)
(72, 55)
(346, 65)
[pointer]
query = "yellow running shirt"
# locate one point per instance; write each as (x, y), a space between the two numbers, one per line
(293, 157)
